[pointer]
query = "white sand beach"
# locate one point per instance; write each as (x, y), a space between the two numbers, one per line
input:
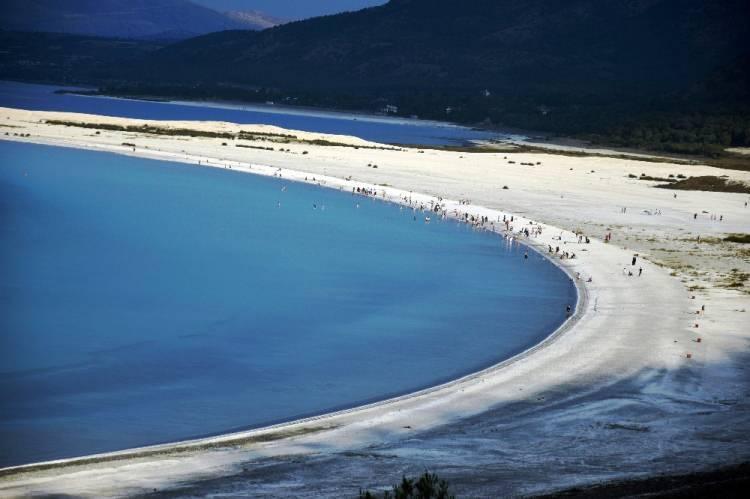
(624, 389)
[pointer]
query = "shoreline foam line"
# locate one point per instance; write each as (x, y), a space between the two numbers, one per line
(391, 195)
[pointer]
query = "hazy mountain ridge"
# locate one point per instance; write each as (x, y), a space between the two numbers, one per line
(138, 19)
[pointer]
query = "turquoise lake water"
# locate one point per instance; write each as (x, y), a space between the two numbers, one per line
(376, 128)
(144, 302)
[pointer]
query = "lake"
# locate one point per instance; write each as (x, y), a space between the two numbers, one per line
(382, 129)
(146, 301)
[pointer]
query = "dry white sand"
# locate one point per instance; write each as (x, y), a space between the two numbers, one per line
(612, 394)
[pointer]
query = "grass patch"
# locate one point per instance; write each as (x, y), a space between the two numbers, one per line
(328, 143)
(584, 154)
(738, 238)
(153, 130)
(732, 161)
(709, 183)
(255, 147)
(265, 135)
(652, 179)
(735, 279)
(188, 132)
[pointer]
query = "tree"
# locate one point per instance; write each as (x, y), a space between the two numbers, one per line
(428, 486)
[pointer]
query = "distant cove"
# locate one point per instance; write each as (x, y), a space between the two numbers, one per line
(381, 129)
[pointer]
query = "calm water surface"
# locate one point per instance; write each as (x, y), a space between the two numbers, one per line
(144, 301)
(375, 128)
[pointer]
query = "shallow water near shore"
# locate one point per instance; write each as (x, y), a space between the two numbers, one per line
(145, 302)
(383, 129)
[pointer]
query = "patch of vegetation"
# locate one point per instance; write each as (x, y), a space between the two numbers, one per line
(731, 162)
(653, 179)
(736, 279)
(255, 147)
(264, 135)
(738, 238)
(725, 482)
(690, 135)
(494, 148)
(710, 183)
(153, 130)
(322, 142)
(189, 132)
(588, 154)
(288, 139)
(428, 486)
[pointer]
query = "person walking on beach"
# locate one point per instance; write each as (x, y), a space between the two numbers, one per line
(695, 216)
(634, 259)
(640, 271)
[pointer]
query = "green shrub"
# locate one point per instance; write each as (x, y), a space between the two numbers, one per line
(428, 486)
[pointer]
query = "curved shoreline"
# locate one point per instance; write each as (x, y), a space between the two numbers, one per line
(619, 395)
(231, 438)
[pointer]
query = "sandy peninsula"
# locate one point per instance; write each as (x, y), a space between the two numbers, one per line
(648, 377)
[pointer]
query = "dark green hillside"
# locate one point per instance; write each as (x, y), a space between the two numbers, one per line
(60, 58)
(517, 46)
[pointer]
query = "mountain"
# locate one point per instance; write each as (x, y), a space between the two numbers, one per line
(166, 19)
(517, 46)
